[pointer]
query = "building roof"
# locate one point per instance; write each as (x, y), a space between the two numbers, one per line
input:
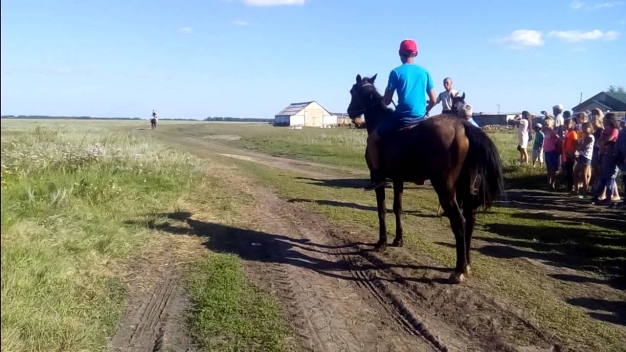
(598, 103)
(617, 96)
(609, 101)
(295, 108)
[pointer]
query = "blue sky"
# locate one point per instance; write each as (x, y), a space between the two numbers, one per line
(250, 58)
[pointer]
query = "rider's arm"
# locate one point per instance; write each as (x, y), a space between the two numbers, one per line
(430, 89)
(431, 100)
(388, 96)
(391, 87)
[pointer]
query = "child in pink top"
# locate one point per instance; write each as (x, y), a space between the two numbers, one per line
(551, 149)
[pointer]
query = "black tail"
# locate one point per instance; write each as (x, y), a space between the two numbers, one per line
(483, 161)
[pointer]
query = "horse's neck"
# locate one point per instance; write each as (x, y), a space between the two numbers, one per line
(375, 116)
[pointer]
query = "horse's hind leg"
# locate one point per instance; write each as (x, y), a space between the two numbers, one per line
(382, 212)
(449, 203)
(398, 188)
(469, 213)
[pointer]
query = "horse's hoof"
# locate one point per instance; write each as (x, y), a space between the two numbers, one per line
(468, 271)
(457, 278)
(380, 247)
(398, 243)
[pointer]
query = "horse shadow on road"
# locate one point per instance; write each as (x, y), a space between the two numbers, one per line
(251, 245)
(354, 183)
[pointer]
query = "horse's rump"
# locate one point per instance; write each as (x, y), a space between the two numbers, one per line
(414, 150)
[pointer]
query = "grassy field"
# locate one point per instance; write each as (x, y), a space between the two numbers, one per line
(70, 188)
(69, 192)
(553, 228)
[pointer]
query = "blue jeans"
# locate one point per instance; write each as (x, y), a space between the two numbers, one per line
(609, 183)
(394, 123)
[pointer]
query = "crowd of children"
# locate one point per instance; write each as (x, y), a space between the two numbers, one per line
(588, 149)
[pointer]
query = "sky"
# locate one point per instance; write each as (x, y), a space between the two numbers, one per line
(251, 58)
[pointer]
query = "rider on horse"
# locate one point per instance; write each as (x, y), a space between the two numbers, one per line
(154, 115)
(412, 82)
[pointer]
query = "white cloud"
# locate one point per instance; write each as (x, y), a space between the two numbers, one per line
(186, 30)
(579, 36)
(262, 3)
(240, 23)
(581, 5)
(522, 38)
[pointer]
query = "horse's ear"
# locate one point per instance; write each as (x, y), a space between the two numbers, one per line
(463, 96)
(374, 77)
(358, 79)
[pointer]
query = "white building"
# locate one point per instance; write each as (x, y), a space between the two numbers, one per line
(307, 114)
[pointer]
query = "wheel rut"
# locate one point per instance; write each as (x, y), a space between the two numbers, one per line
(335, 298)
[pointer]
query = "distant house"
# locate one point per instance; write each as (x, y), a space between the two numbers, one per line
(307, 114)
(605, 101)
(484, 119)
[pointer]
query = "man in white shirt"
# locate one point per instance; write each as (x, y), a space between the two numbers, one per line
(445, 97)
(559, 120)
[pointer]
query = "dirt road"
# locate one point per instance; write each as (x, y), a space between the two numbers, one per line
(337, 294)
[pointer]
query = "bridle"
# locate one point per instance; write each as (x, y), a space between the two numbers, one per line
(358, 98)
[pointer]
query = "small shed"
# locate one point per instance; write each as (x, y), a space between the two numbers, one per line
(484, 119)
(307, 114)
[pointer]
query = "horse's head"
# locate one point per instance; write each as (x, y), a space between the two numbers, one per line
(457, 102)
(365, 100)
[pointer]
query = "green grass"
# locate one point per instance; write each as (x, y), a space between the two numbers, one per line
(71, 191)
(66, 193)
(230, 314)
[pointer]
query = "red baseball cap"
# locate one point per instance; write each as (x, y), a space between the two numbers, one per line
(408, 46)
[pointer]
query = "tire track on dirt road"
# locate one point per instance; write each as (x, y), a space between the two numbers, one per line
(461, 318)
(307, 263)
(154, 316)
(385, 284)
(332, 299)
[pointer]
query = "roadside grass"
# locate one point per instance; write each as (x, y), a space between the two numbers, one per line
(71, 194)
(228, 312)
(510, 237)
(66, 191)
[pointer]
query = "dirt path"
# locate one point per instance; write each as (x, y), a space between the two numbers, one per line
(305, 167)
(342, 297)
(334, 303)
(338, 295)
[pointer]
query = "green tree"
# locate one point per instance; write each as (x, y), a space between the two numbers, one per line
(616, 89)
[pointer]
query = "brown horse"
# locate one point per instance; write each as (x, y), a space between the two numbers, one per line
(153, 123)
(461, 162)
